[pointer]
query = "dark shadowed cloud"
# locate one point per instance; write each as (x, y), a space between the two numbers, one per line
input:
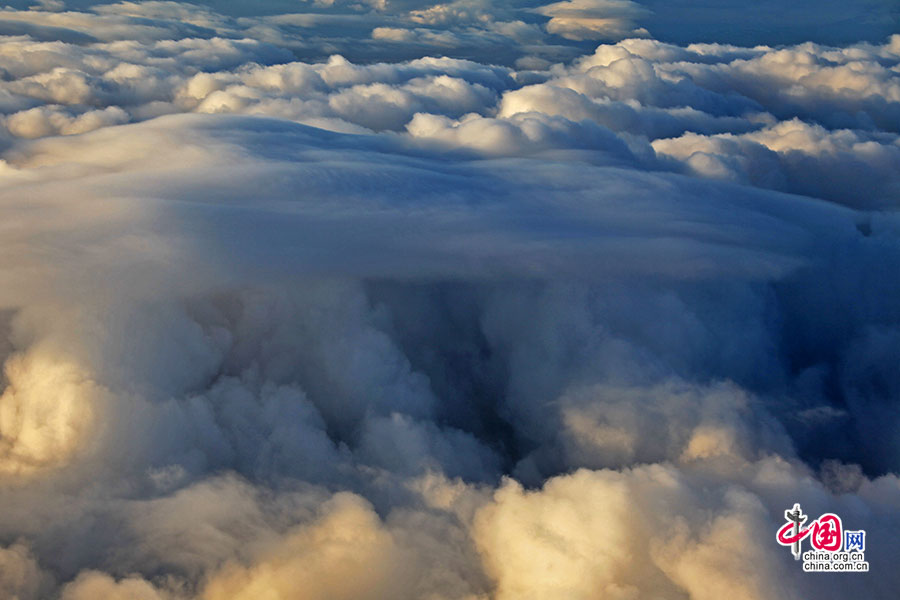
(323, 300)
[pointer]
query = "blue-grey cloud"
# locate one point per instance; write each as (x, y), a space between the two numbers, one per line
(405, 300)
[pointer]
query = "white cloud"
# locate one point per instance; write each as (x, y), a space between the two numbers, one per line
(288, 310)
(594, 19)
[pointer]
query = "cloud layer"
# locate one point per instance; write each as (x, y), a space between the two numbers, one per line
(542, 319)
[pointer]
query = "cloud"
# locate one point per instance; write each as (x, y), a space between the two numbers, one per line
(44, 120)
(93, 584)
(21, 577)
(594, 19)
(845, 166)
(292, 308)
(349, 553)
(636, 532)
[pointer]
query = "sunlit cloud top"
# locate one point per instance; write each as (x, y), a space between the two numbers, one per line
(462, 300)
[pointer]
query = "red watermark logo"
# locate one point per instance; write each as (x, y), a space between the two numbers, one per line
(833, 547)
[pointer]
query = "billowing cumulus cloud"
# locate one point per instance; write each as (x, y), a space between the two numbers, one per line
(440, 300)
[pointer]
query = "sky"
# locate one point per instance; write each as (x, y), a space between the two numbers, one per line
(461, 301)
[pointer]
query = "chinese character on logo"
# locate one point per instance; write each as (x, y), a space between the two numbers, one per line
(827, 537)
(791, 534)
(855, 540)
(826, 533)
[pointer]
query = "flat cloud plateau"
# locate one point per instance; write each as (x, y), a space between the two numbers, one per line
(292, 308)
